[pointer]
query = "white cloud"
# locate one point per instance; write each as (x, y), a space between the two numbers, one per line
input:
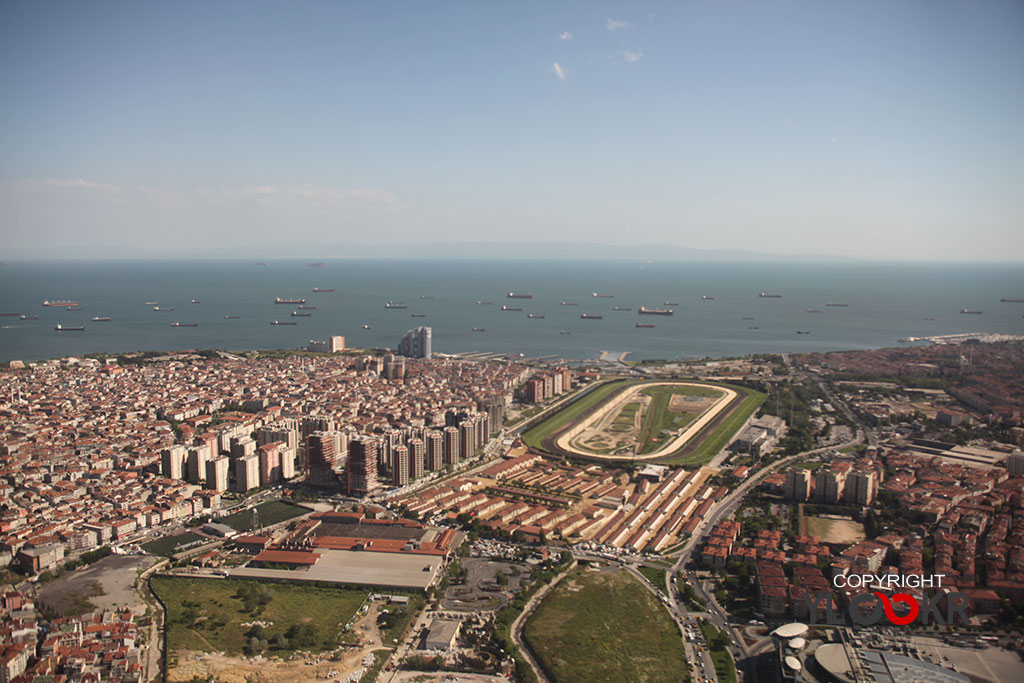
(632, 55)
(565, 35)
(560, 71)
(616, 25)
(82, 184)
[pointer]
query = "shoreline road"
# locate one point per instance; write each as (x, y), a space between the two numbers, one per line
(564, 441)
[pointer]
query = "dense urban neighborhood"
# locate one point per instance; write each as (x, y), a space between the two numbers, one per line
(359, 515)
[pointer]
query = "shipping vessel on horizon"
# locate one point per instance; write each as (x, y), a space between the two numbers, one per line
(322, 290)
(282, 322)
(598, 295)
(58, 303)
(519, 295)
(766, 295)
(655, 311)
(965, 311)
(1007, 300)
(396, 304)
(643, 325)
(101, 319)
(62, 328)
(510, 308)
(162, 310)
(279, 300)
(176, 324)
(591, 316)
(838, 305)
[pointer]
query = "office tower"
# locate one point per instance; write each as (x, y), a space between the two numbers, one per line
(217, 474)
(361, 473)
(416, 343)
(172, 461)
(247, 473)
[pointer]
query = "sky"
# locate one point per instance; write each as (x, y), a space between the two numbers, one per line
(869, 129)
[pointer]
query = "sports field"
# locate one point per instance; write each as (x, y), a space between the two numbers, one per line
(605, 626)
(270, 513)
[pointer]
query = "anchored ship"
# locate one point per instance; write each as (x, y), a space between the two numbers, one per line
(297, 314)
(598, 295)
(838, 305)
(231, 317)
(419, 315)
(705, 297)
(534, 315)
(590, 316)
(814, 310)
(479, 329)
(483, 303)
(162, 310)
(184, 324)
(29, 317)
(396, 304)
(304, 307)
(1007, 300)
(671, 303)
(61, 328)
(766, 295)
(279, 300)
(60, 303)
(568, 303)
(621, 308)
(655, 311)
(643, 325)
(969, 312)
(284, 322)
(519, 295)
(510, 308)
(322, 290)
(101, 319)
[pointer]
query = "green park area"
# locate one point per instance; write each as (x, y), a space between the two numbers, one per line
(220, 615)
(605, 626)
(270, 513)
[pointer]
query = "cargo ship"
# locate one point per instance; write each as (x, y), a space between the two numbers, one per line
(766, 295)
(568, 303)
(590, 316)
(62, 328)
(1007, 300)
(510, 308)
(643, 325)
(838, 305)
(814, 310)
(303, 307)
(318, 264)
(152, 303)
(534, 315)
(184, 324)
(747, 317)
(802, 332)
(322, 290)
(479, 329)
(101, 319)
(419, 315)
(753, 327)
(426, 297)
(705, 297)
(966, 311)
(279, 300)
(395, 304)
(519, 295)
(621, 308)
(565, 332)
(195, 301)
(11, 315)
(277, 322)
(598, 295)
(60, 303)
(231, 317)
(655, 311)
(297, 314)
(162, 310)
(29, 317)
(671, 303)
(367, 327)
(483, 303)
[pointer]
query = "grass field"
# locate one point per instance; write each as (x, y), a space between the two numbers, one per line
(206, 614)
(271, 512)
(605, 626)
(725, 431)
(168, 545)
(655, 576)
(536, 435)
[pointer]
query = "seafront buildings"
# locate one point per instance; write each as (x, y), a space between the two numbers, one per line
(416, 343)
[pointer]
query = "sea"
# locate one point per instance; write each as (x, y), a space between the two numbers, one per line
(884, 303)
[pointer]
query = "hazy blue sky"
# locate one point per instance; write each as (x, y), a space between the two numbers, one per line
(872, 129)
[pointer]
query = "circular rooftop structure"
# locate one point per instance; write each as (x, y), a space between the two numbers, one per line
(797, 643)
(788, 631)
(792, 663)
(832, 658)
